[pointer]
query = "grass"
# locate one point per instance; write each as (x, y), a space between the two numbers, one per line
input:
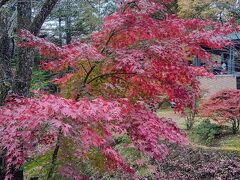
(169, 113)
(228, 142)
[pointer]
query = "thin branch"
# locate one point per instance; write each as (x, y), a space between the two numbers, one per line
(108, 41)
(88, 74)
(120, 78)
(90, 65)
(84, 68)
(54, 156)
(108, 74)
(94, 66)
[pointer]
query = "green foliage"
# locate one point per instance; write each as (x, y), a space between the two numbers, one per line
(98, 161)
(123, 145)
(133, 156)
(206, 9)
(206, 132)
(37, 166)
(40, 79)
(87, 22)
(122, 140)
(230, 142)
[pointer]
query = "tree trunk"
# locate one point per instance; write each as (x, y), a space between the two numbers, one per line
(23, 77)
(1, 166)
(60, 31)
(238, 124)
(189, 123)
(235, 126)
(5, 68)
(17, 175)
(68, 23)
(68, 30)
(5, 58)
(24, 66)
(190, 119)
(38, 21)
(22, 80)
(55, 155)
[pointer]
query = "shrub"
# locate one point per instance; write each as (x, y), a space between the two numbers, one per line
(206, 132)
(223, 107)
(40, 79)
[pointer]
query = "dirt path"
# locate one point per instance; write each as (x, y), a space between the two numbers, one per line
(216, 148)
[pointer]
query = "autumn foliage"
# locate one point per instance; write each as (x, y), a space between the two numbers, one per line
(134, 59)
(39, 123)
(136, 55)
(224, 107)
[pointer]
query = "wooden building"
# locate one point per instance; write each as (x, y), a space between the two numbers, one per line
(228, 77)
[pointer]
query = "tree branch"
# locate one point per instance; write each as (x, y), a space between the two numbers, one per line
(85, 70)
(108, 41)
(88, 74)
(108, 74)
(3, 2)
(42, 15)
(93, 67)
(54, 155)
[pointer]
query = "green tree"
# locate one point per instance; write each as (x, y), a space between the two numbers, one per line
(213, 9)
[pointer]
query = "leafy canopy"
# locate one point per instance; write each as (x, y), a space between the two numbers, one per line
(223, 106)
(137, 57)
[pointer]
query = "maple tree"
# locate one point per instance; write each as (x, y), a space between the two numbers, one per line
(89, 123)
(224, 107)
(131, 62)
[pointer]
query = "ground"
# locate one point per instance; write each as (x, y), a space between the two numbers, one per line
(220, 161)
(197, 161)
(228, 142)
